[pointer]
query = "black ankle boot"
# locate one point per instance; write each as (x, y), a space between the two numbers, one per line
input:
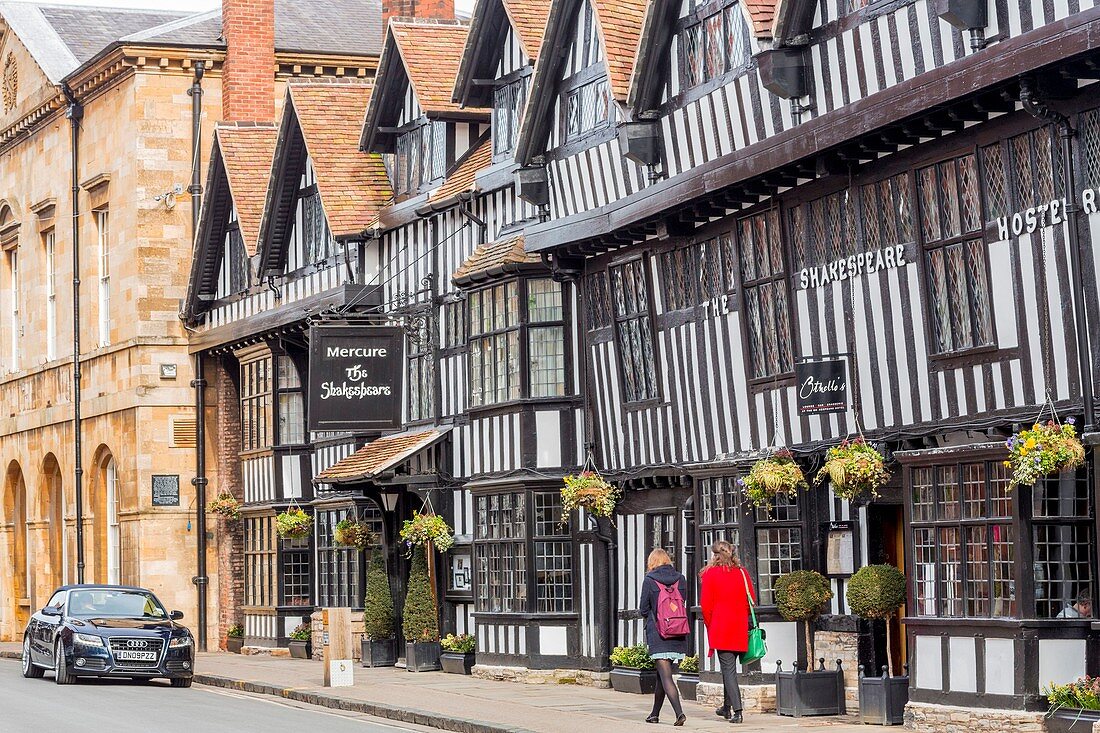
(723, 712)
(736, 717)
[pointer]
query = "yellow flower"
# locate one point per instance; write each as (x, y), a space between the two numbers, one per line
(1030, 444)
(1008, 464)
(1036, 426)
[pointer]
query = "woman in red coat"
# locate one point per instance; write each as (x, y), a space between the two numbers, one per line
(725, 593)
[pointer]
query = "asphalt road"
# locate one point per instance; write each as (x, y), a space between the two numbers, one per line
(120, 706)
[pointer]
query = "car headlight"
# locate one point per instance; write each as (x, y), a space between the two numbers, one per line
(88, 639)
(180, 642)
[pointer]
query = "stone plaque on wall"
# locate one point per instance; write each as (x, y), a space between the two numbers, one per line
(166, 490)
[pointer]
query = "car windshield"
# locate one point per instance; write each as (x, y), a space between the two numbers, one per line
(114, 603)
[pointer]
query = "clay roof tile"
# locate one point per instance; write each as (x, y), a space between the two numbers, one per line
(379, 455)
(247, 152)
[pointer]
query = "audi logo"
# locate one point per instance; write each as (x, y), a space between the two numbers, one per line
(136, 644)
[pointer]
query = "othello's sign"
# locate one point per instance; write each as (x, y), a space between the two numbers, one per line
(822, 386)
(355, 377)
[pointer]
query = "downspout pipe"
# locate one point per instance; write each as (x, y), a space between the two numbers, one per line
(1037, 107)
(199, 383)
(74, 111)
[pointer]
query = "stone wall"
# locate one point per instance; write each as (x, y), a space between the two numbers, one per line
(928, 718)
(526, 676)
(755, 698)
(226, 427)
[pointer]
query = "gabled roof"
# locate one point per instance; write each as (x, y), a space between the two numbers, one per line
(62, 37)
(379, 456)
(502, 257)
(529, 19)
(462, 178)
(237, 177)
(485, 44)
(322, 121)
(425, 54)
(619, 24)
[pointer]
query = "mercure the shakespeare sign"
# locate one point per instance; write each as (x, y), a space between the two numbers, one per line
(355, 377)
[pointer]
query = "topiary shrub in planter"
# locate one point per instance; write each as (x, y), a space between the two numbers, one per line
(379, 643)
(801, 596)
(688, 678)
(420, 624)
(632, 670)
(1074, 706)
(458, 653)
(876, 592)
(301, 642)
(234, 638)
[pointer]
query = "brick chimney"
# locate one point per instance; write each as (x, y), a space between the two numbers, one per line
(444, 9)
(248, 75)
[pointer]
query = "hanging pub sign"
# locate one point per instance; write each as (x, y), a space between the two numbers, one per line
(822, 385)
(355, 377)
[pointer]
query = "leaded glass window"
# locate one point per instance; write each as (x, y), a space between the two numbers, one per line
(764, 283)
(292, 412)
(256, 384)
(597, 301)
(295, 575)
(259, 561)
(545, 338)
(420, 157)
(494, 344)
(634, 330)
(778, 544)
(340, 569)
(713, 42)
(236, 265)
(1062, 530)
(1088, 128)
(720, 501)
(421, 365)
(454, 324)
(824, 230)
(508, 102)
(588, 107)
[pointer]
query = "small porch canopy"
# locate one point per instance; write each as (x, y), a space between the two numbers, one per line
(377, 460)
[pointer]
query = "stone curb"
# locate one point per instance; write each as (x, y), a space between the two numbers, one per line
(378, 710)
(4, 654)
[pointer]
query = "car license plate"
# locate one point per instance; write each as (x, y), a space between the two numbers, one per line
(129, 656)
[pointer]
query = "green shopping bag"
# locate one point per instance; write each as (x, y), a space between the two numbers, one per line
(758, 648)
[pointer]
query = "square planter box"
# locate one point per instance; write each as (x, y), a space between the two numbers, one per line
(882, 699)
(1071, 720)
(300, 649)
(422, 656)
(234, 643)
(688, 682)
(374, 653)
(456, 663)
(820, 692)
(638, 681)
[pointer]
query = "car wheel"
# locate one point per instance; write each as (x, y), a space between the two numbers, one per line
(30, 669)
(61, 674)
(181, 681)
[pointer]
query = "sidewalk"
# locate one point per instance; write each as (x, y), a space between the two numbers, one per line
(457, 703)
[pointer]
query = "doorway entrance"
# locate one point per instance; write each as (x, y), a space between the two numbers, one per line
(886, 546)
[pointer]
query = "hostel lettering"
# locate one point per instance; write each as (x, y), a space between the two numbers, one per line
(858, 264)
(1052, 213)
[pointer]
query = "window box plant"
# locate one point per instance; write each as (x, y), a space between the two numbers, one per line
(420, 622)
(458, 653)
(1043, 450)
(379, 644)
(876, 592)
(301, 642)
(632, 670)
(225, 506)
(855, 470)
(688, 679)
(293, 524)
(353, 533)
(234, 638)
(1074, 706)
(771, 477)
(589, 491)
(423, 529)
(801, 596)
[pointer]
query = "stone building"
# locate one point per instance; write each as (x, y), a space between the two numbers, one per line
(117, 83)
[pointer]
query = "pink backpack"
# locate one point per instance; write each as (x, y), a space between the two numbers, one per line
(672, 620)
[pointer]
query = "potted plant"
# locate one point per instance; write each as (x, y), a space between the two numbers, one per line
(876, 592)
(589, 491)
(379, 644)
(1043, 450)
(770, 477)
(854, 469)
(293, 524)
(301, 642)
(427, 528)
(458, 653)
(632, 670)
(227, 506)
(688, 679)
(1074, 706)
(353, 533)
(801, 596)
(234, 638)
(420, 624)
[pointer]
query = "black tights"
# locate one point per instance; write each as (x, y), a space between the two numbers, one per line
(666, 687)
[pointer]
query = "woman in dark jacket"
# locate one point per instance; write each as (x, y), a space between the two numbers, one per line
(663, 651)
(725, 593)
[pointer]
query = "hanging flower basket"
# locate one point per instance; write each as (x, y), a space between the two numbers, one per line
(226, 506)
(1043, 450)
(769, 477)
(293, 524)
(589, 491)
(424, 528)
(854, 468)
(353, 533)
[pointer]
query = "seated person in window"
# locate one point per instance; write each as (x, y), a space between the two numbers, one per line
(1082, 607)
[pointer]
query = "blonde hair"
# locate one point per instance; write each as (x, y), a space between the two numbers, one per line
(722, 555)
(656, 559)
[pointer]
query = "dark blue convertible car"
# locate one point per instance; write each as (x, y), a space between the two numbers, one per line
(107, 630)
